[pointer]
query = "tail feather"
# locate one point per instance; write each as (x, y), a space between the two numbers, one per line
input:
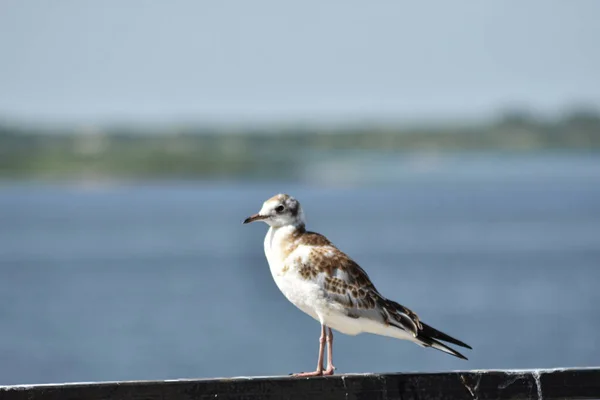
(433, 333)
(406, 320)
(430, 342)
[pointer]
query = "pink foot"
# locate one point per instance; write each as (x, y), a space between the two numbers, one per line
(329, 371)
(307, 374)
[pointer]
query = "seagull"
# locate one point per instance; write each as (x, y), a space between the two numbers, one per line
(326, 284)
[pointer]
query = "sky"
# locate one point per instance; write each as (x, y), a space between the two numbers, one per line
(231, 61)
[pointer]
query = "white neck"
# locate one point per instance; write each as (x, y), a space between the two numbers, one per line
(274, 241)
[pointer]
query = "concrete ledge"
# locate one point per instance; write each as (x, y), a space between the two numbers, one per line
(525, 384)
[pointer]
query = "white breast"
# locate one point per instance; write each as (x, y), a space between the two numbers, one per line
(303, 294)
(307, 295)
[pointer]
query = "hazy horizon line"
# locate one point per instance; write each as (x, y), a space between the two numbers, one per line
(324, 119)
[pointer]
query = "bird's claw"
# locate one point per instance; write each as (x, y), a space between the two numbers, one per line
(308, 374)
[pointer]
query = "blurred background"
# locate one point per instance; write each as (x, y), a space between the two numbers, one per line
(451, 148)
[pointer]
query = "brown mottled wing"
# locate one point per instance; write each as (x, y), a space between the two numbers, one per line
(345, 282)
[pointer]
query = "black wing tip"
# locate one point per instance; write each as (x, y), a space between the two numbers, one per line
(436, 344)
(459, 355)
(458, 343)
(450, 350)
(435, 334)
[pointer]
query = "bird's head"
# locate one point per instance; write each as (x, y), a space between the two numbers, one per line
(280, 210)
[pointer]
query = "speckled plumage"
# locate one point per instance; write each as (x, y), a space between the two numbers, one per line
(328, 285)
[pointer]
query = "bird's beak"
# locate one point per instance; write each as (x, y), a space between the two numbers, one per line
(255, 217)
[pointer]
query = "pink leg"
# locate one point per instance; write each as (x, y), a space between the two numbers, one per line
(330, 367)
(319, 370)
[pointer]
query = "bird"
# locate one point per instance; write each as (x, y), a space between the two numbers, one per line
(325, 283)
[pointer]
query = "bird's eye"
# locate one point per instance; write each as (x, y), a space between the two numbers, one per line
(279, 209)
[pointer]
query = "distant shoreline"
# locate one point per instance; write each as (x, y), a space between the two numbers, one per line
(283, 153)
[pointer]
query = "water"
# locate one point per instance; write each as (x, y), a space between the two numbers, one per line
(161, 281)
